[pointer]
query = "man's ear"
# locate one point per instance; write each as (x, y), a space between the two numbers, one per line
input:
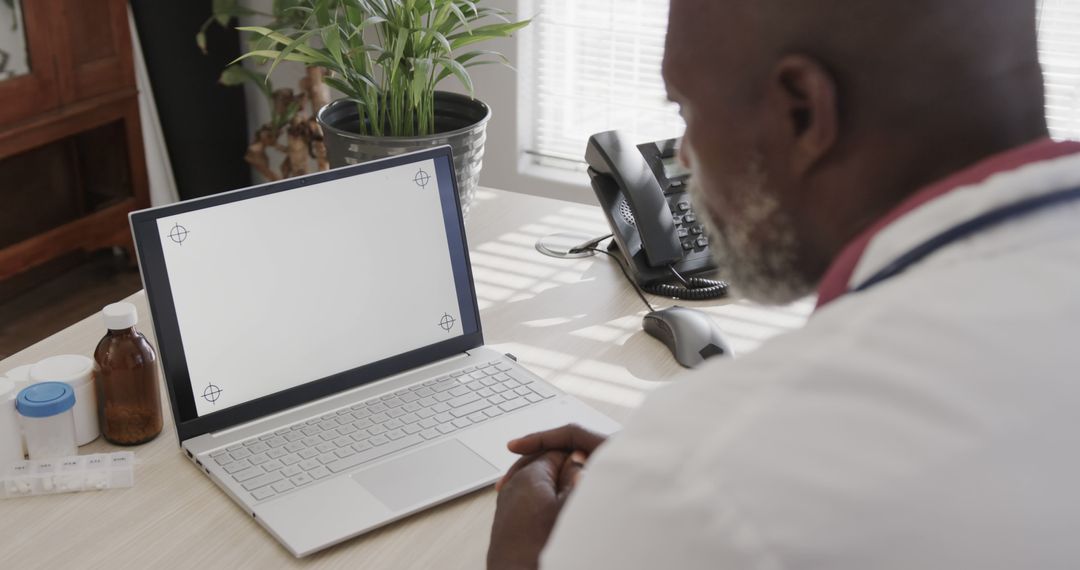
(804, 95)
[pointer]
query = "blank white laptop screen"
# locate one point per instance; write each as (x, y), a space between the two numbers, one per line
(284, 289)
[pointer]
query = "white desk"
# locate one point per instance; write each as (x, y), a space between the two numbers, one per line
(577, 323)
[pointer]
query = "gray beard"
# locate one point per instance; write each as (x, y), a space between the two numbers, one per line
(755, 247)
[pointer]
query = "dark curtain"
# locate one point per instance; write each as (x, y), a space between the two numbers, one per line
(205, 123)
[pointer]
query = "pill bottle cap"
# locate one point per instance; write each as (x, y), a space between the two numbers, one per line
(120, 316)
(74, 369)
(45, 400)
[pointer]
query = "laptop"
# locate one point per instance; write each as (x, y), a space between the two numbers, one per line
(321, 344)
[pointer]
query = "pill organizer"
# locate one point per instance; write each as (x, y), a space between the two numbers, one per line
(68, 475)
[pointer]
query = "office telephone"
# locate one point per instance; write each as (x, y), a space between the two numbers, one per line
(642, 190)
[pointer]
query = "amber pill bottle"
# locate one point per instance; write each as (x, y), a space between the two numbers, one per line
(126, 380)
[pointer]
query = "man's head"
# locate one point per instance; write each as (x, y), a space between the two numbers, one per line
(807, 121)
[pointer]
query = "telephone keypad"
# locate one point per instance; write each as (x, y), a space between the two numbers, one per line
(691, 234)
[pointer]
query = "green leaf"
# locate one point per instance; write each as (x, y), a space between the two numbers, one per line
(399, 50)
(272, 54)
(294, 45)
(466, 57)
(238, 74)
(445, 43)
(322, 13)
(200, 40)
(277, 37)
(421, 76)
(484, 33)
(459, 71)
(341, 86)
(332, 40)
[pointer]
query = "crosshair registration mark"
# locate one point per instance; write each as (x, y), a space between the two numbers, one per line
(422, 179)
(178, 234)
(447, 322)
(211, 393)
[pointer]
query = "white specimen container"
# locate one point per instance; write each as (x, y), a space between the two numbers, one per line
(20, 375)
(11, 444)
(78, 372)
(48, 420)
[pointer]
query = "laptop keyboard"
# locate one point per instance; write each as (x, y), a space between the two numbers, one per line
(298, 455)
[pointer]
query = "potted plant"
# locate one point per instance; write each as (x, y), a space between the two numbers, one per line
(388, 57)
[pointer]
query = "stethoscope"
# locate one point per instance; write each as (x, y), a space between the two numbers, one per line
(979, 224)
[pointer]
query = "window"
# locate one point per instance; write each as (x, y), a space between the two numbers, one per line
(595, 66)
(1059, 49)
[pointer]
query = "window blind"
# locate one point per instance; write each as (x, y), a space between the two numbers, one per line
(1059, 50)
(596, 66)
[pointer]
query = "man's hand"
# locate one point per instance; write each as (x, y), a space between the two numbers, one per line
(527, 508)
(532, 493)
(571, 439)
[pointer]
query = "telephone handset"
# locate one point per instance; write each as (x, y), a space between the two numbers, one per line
(643, 192)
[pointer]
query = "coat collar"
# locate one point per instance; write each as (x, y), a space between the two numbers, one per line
(1036, 168)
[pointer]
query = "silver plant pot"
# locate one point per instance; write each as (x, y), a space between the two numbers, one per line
(460, 122)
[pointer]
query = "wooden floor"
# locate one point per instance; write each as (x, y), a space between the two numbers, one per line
(37, 305)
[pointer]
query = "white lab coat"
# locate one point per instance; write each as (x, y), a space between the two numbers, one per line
(931, 422)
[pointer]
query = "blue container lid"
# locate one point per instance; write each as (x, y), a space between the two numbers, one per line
(45, 399)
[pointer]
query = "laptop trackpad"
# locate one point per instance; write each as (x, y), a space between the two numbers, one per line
(418, 478)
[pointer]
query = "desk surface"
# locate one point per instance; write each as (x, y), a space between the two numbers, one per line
(574, 322)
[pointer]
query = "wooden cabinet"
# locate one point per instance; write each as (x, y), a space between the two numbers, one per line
(71, 151)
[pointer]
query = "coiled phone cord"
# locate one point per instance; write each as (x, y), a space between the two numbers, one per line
(692, 289)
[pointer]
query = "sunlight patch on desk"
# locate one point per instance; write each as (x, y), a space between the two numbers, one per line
(590, 214)
(520, 253)
(591, 389)
(587, 378)
(509, 264)
(627, 323)
(613, 374)
(544, 286)
(568, 277)
(502, 278)
(528, 241)
(551, 322)
(491, 292)
(539, 230)
(616, 331)
(540, 357)
(575, 225)
(602, 333)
